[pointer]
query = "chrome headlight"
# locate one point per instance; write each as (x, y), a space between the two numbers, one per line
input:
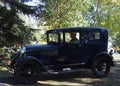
(21, 50)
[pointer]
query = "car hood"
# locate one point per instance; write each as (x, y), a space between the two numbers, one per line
(43, 47)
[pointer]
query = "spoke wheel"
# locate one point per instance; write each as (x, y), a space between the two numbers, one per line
(101, 67)
(28, 72)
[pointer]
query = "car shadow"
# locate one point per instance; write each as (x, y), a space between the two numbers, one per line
(8, 79)
(64, 76)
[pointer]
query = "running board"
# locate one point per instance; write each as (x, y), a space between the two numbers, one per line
(64, 70)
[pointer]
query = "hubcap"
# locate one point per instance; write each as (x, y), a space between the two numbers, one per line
(101, 67)
(28, 71)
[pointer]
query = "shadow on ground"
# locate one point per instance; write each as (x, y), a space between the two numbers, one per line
(8, 79)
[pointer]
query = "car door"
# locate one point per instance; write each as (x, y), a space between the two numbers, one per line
(91, 45)
(71, 51)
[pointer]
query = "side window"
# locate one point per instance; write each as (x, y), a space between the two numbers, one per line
(97, 35)
(53, 37)
(90, 36)
(72, 37)
(67, 37)
(94, 36)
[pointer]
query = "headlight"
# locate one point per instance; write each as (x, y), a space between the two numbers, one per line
(21, 51)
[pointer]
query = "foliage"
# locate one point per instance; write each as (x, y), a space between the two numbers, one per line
(116, 42)
(104, 14)
(109, 18)
(5, 55)
(13, 32)
(6, 52)
(62, 13)
(12, 29)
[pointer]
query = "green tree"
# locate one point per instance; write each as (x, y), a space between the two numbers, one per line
(109, 16)
(12, 29)
(63, 13)
(104, 14)
(116, 42)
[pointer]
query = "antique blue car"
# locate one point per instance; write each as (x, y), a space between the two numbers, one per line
(67, 49)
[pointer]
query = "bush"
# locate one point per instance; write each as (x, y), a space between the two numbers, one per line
(5, 55)
(116, 42)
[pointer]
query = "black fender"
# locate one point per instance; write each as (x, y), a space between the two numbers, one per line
(30, 58)
(105, 54)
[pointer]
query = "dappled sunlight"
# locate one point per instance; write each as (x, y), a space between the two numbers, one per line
(52, 82)
(4, 84)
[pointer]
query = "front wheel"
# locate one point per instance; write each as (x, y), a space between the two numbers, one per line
(101, 67)
(28, 72)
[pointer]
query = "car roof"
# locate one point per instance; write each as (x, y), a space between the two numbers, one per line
(77, 29)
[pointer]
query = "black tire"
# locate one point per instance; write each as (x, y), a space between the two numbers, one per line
(101, 67)
(28, 72)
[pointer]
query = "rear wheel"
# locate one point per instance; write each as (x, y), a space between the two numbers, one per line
(28, 72)
(101, 67)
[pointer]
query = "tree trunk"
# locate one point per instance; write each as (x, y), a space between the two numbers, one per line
(97, 13)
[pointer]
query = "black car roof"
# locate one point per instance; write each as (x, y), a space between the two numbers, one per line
(77, 29)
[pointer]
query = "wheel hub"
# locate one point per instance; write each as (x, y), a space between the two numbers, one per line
(29, 72)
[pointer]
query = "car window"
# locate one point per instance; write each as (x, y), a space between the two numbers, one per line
(90, 36)
(72, 37)
(53, 37)
(96, 35)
